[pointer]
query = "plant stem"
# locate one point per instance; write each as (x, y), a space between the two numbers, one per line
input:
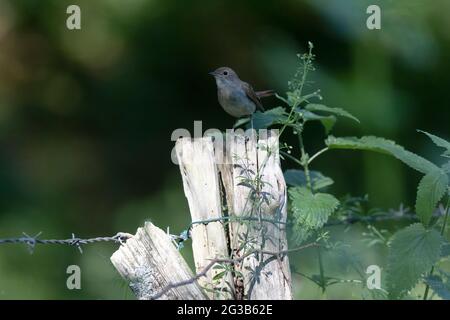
(444, 224)
(306, 65)
(318, 154)
(291, 157)
(304, 160)
(321, 270)
(304, 74)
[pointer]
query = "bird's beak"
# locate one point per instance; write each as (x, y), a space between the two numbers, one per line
(212, 73)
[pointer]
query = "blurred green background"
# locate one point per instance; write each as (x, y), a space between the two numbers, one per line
(86, 117)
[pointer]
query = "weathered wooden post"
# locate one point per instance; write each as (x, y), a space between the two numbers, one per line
(237, 200)
(150, 262)
(202, 189)
(264, 276)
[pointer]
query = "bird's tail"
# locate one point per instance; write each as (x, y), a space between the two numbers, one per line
(265, 93)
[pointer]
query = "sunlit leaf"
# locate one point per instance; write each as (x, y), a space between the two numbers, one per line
(385, 146)
(310, 211)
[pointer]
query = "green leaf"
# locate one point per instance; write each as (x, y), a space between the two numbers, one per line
(438, 141)
(446, 167)
(219, 275)
(439, 287)
(432, 188)
(240, 122)
(297, 178)
(293, 97)
(281, 98)
(265, 119)
(335, 111)
(382, 145)
(310, 211)
(328, 122)
(412, 252)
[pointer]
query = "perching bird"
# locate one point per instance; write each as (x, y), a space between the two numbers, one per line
(235, 96)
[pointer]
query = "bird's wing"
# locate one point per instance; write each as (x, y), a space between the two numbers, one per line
(252, 95)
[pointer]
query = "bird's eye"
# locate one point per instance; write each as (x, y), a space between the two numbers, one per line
(225, 73)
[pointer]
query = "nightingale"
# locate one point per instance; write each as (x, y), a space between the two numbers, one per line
(235, 96)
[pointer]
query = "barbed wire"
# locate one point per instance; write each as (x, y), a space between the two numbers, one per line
(179, 239)
(32, 241)
(402, 213)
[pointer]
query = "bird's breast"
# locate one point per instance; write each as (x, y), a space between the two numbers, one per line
(235, 102)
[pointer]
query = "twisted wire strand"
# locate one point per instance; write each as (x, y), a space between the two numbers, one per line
(32, 241)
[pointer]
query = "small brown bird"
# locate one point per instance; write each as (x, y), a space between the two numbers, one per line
(235, 96)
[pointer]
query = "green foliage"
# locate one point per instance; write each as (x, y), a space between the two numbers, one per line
(385, 146)
(328, 122)
(310, 211)
(439, 286)
(297, 178)
(446, 167)
(241, 122)
(439, 142)
(432, 188)
(270, 117)
(413, 251)
(309, 113)
(433, 185)
(335, 111)
(445, 253)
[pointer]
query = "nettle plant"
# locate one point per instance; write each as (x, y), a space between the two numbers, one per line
(417, 251)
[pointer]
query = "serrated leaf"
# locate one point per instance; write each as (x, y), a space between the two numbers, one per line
(310, 211)
(335, 111)
(438, 141)
(385, 146)
(297, 178)
(439, 287)
(412, 252)
(430, 191)
(446, 167)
